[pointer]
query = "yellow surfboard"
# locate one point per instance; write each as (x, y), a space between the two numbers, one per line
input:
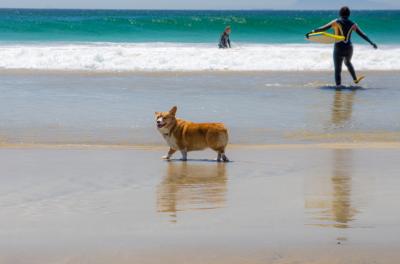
(324, 37)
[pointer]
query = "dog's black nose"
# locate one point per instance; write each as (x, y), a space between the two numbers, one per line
(158, 121)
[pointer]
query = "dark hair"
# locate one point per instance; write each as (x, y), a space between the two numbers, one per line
(344, 12)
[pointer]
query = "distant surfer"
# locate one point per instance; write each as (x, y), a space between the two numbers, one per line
(343, 50)
(224, 41)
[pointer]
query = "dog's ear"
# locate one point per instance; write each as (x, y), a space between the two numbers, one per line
(173, 110)
(156, 113)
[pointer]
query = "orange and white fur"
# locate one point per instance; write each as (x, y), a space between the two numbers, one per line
(185, 136)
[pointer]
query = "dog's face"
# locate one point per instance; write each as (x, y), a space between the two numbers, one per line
(164, 120)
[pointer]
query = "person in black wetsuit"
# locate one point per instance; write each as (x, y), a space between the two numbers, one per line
(343, 50)
(224, 41)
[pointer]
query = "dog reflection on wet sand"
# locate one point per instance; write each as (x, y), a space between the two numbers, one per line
(192, 187)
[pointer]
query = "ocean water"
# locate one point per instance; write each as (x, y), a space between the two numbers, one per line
(97, 77)
(129, 40)
(182, 26)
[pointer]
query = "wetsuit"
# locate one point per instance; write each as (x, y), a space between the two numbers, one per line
(224, 41)
(343, 50)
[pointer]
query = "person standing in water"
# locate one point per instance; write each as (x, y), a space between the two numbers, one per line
(343, 50)
(224, 41)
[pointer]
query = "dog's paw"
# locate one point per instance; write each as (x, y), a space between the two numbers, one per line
(166, 157)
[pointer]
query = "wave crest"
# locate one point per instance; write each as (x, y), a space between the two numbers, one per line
(188, 57)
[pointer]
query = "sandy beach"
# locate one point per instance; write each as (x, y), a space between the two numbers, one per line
(290, 204)
(313, 177)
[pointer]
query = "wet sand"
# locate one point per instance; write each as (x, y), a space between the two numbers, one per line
(314, 177)
(332, 203)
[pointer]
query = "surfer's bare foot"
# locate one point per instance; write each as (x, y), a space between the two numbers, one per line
(359, 79)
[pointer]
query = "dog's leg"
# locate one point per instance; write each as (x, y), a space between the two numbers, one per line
(170, 153)
(224, 157)
(184, 155)
(221, 154)
(219, 157)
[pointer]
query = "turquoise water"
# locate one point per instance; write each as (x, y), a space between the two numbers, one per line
(20, 25)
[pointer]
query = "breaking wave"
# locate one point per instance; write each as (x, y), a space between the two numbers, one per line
(188, 57)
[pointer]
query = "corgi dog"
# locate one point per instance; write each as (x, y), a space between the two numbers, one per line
(185, 136)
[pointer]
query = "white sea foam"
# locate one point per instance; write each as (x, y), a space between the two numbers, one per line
(188, 57)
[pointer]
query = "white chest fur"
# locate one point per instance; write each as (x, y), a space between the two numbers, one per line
(171, 141)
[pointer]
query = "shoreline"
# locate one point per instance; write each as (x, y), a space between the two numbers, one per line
(168, 73)
(330, 145)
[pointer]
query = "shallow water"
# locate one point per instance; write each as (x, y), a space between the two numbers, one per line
(270, 107)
